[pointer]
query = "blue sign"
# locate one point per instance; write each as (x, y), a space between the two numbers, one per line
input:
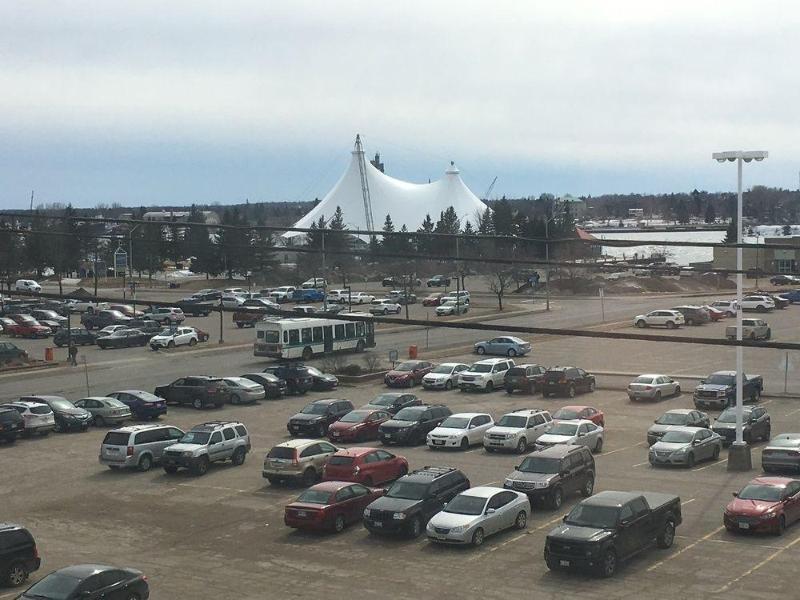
(120, 260)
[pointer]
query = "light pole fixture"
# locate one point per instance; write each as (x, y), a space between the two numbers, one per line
(739, 458)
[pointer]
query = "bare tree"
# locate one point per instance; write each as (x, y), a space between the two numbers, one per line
(499, 283)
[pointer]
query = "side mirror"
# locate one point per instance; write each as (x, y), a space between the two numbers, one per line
(490, 511)
(564, 519)
(735, 494)
(623, 524)
(517, 467)
(702, 381)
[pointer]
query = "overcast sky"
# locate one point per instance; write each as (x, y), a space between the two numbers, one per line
(201, 101)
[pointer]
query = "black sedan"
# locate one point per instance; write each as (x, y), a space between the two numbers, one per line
(79, 336)
(566, 381)
(323, 382)
(274, 387)
(90, 582)
(124, 338)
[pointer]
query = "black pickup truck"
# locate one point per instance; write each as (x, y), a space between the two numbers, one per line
(718, 390)
(610, 527)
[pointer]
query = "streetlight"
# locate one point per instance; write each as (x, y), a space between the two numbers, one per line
(547, 258)
(739, 458)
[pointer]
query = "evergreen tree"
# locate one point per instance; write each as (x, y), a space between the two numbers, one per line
(10, 252)
(337, 241)
(36, 245)
(731, 234)
(787, 229)
(425, 243)
(682, 211)
(388, 242)
(711, 214)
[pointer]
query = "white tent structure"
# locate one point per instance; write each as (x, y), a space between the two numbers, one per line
(407, 203)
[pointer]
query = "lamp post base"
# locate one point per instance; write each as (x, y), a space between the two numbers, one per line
(739, 457)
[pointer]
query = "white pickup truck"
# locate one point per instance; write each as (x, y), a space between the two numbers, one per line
(752, 329)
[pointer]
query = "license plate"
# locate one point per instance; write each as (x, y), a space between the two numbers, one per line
(438, 442)
(387, 436)
(302, 513)
(335, 434)
(377, 524)
(112, 450)
(563, 563)
(744, 525)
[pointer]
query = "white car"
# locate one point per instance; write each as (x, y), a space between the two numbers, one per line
(234, 290)
(485, 375)
(337, 296)
(384, 306)
(660, 318)
(169, 338)
(27, 285)
(460, 430)
(653, 386)
(517, 430)
(451, 307)
(443, 376)
(758, 303)
(109, 329)
(82, 306)
(232, 301)
(729, 307)
(166, 315)
(282, 294)
(38, 417)
(315, 283)
(360, 298)
(579, 432)
(460, 296)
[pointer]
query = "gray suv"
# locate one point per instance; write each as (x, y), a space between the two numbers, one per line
(550, 475)
(137, 446)
(203, 444)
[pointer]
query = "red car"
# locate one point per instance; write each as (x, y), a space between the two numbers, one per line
(330, 506)
(369, 466)
(358, 426)
(764, 504)
(715, 313)
(27, 326)
(433, 299)
(590, 413)
(408, 373)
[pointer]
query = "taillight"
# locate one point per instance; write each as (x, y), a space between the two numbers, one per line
(356, 470)
(130, 451)
(35, 552)
(648, 387)
(562, 381)
(211, 390)
(144, 578)
(295, 460)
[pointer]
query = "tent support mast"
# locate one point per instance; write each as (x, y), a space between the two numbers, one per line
(362, 169)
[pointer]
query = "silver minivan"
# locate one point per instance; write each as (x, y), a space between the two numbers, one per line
(137, 446)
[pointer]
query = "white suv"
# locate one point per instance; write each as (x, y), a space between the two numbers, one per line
(517, 430)
(169, 338)
(282, 294)
(38, 417)
(168, 315)
(486, 375)
(665, 318)
(460, 431)
(759, 303)
(337, 296)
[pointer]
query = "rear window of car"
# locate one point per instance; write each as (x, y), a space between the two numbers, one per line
(340, 460)
(554, 375)
(281, 452)
(516, 371)
(116, 438)
(9, 415)
(241, 430)
(41, 410)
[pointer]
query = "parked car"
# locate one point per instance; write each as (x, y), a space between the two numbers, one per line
(166, 315)
(756, 424)
(171, 337)
(729, 307)
(438, 281)
(360, 298)
(314, 283)
(369, 466)
(206, 443)
(433, 299)
(525, 377)
(37, 418)
(784, 280)
(79, 336)
(517, 430)
(609, 527)
(450, 308)
(104, 410)
(201, 391)
(282, 294)
(653, 386)
(677, 418)
(322, 382)
(752, 329)
(308, 295)
(693, 315)
(588, 413)
(660, 318)
(412, 500)
(578, 432)
(109, 329)
(392, 402)
(197, 305)
(444, 376)
(12, 425)
(765, 504)
(6, 324)
(460, 296)
(485, 375)
(68, 417)
(27, 285)
(242, 390)
(460, 430)
(411, 425)
(274, 387)
(103, 318)
(781, 453)
(330, 506)
(123, 338)
(408, 373)
(566, 381)
(253, 310)
(685, 446)
(10, 352)
(49, 315)
(315, 418)
(127, 309)
(718, 390)
(358, 426)
(548, 476)
(297, 460)
(758, 303)
(137, 446)
(297, 378)
(143, 405)
(26, 326)
(477, 513)
(103, 581)
(19, 556)
(714, 314)
(402, 297)
(232, 301)
(384, 306)
(337, 296)
(504, 346)
(780, 301)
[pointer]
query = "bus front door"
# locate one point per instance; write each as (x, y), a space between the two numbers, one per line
(327, 337)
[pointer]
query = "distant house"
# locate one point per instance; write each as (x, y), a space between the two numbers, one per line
(768, 260)
(179, 216)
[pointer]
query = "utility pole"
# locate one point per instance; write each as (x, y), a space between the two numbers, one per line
(31, 200)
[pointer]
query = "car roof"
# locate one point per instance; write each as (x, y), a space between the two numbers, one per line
(610, 498)
(45, 398)
(297, 443)
(557, 451)
(482, 491)
(83, 571)
(683, 429)
(651, 375)
(679, 411)
(574, 421)
(561, 368)
(469, 415)
(328, 401)
(355, 451)
(142, 427)
(490, 361)
(330, 486)
(577, 407)
(23, 403)
(724, 373)
(526, 365)
(525, 411)
(97, 398)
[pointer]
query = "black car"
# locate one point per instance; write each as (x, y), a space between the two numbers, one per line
(393, 402)
(298, 380)
(146, 326)
(104, 318)
(9, 352)
(274, 387)
(323, 382)
(12, 425)
(79, 336)
(123, 338)
(693, 315)
(48, 315)
(527, 378)
(412, 425)
(756, 424)
(438, 281)
(90, 582)
(315, 417)
(551, 474)
(417, 497)
(199, 305)
(566, 381)
(68, 416)
(200, 391)
(143, 405)
(18, 555)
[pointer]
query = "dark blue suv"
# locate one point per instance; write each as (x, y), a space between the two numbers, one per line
(143, 405)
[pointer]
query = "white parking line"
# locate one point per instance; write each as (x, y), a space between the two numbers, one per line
(547, 524)
(620, 450)
(713, 464)
(689, 547)
(789, 414)
(755, 568)
(214, 487)
(641, 464)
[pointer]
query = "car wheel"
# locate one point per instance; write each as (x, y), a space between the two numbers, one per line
(411, 382)
(690, 460)
(571, 391)
(308, 353)
(464, 444)
(133, 597)
(192, 342)
(511, 353)
(667, 535)
(321, 430)
(201, 468)
(598, 447)
(145, 463)
(360, 346)
(385, 311)
(489, 386)
(756, 396)
(641, 324)
(591, 386)
(477, 537)
(715, 455)
(197, 403)
(170, 470)
(16, 575)
(521, 521)
(588, 487)
(671, 324)
(761, 308)
(368, 481)
(58, 428)
(657, 397)
(767, 434)
(238, 457)
(781, 527)
(338, 524)
(556, 498)
(481, 350)
(235, 399)
(609, 565)
(489, 450)
(448, 385)
(98, 421)
(309, 477)
(677, 390)
(415, 527)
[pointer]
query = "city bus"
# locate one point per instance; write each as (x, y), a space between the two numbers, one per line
(303, 337)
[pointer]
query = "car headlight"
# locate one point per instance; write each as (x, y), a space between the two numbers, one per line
(188, 454)
(681, 451)
(720, 394)
(367, 512)
(509, 482)
(398, 516)
(767, 515)
(459, 529)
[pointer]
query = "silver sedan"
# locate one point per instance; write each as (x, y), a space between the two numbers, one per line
(478, 513)
(653, 386)
(685, 446)
(105, 411)
(782, 453)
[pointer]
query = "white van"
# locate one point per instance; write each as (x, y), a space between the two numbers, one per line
(460, 296)
(27, 285)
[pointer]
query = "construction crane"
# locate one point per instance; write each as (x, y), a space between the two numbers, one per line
(491, 187)
(362, 169)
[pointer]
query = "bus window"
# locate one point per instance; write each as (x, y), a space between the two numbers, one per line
(285, 337)
(294, 336)
(305, 332)
(351, 330)
(317, 334)
(271, 336)
(360, 328)
(260, 335)
(338, 332)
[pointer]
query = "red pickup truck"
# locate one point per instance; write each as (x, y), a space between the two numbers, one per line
(28, 329)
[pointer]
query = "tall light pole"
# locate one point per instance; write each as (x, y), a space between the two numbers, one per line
(547, 258)
(739, 458)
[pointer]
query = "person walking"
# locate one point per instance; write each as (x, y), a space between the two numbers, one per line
(73, 355)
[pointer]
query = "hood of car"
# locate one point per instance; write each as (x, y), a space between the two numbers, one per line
(450, 520)
(719, 425)
(669, 446)
(185, 447)
(436, 376)
(577, 533)
(506, 430)
(74, 412)
(712, 387)
(454, 431)
(661, 429)
(554, 438)
(393, 504)
(339, 426)
(399, 374)
(395, 424)
(302, 417)
(750, 507)
(532, 477)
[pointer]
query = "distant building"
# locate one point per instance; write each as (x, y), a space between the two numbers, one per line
(376, 162)
(179, 216)
(577, 206)
(768, 260)
(636, 213)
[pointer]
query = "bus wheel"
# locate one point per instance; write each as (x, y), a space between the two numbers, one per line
(307, 353)
(360, 346)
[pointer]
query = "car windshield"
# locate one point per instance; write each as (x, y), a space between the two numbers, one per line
(785, 442)
(512, 421)
(479, 368)
(356, 416)
(455, 422)
(167, 331)
(767, 493)
(564, 429)
(314, 372)
(444, 369)
(729, 416)
(114, 403)
(281, 452)
(407, 490)
(384, 400)
(341, 460)
(314, 497)
(196, 437)
(587, 515)
(566, 414)
(537, 464)
(406, 366)
(55, 586)
(647, 380)
(678, 437)
(672, 419)
(315, 409)
(272, 336)
(147, 397)
(409, 414)
(466, 505)
(721, 380)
